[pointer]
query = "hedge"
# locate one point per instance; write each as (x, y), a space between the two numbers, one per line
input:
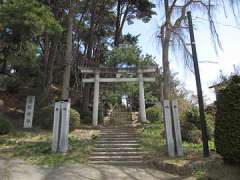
(227, 128)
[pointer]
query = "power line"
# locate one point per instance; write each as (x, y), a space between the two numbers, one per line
(216, 22)
(209, 62)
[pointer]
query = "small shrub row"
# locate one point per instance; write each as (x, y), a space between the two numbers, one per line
(153, 114)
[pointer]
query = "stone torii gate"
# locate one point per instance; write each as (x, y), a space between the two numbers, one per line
(118, 72)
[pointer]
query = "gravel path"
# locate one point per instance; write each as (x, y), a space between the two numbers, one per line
(19, 170)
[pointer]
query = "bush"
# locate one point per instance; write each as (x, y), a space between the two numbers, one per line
(46, 115)
(192, 116)
(74, 119)
(227, 128)
(153, 114)
(5, 126)
(210, 125)
(190, 133)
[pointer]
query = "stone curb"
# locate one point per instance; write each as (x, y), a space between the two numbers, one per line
(187, 168)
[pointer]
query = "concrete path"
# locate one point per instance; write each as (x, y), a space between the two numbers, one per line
(18, 170)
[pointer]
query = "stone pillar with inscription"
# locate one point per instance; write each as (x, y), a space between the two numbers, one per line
(177, 128)
(29, 110)
(168, 128)
(61, 127)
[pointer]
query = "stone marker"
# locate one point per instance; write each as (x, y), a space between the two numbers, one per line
(29, 110)
(168, 128)
(177, 128)
(61, 127)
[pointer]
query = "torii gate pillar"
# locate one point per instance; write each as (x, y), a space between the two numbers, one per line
(96, 99)
(141, 98)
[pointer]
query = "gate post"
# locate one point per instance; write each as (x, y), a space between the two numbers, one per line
(168, 128)
(141, 98)
(61, 127)
(96, 99)
(177, 128)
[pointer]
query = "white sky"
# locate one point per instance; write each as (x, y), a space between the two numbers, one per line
(230, 55)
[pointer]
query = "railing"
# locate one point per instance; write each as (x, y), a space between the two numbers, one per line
(111, 112)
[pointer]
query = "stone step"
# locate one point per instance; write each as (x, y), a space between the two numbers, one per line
(116, 133)
(126, 153)
(117, 142)
(119, 163)
(118, 149)
(119, 129)
(117, 139)
(118, 145)
(115, 158)
(118, 136)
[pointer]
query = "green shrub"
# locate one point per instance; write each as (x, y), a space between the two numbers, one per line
(74, 119)
(5, 126)
(153, 114)
(192, 116)
(190, 133)
(46, 115)
(227, 128)
(210, 121)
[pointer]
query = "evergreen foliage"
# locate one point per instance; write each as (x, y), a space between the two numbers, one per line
(227, 130)
(191, 126)
(5, 125)
(45, 118)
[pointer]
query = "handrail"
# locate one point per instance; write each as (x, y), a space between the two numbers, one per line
(111, 112)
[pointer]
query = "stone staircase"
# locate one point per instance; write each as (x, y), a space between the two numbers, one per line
(117, 143)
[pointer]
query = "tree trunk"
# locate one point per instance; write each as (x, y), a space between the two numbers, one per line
(45, 57)
(68, 56)
(116, 38)
(87, 87)
(166, 36)
(91, 32)
(166, 69)
(52, 59)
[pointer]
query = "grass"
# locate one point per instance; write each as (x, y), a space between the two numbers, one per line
(36, 148)
(153, 142)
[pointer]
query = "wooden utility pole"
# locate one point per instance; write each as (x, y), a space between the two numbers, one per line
(199, 88)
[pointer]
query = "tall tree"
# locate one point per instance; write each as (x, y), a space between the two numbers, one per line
(173, 31)
(128, 10)
(68, 54)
